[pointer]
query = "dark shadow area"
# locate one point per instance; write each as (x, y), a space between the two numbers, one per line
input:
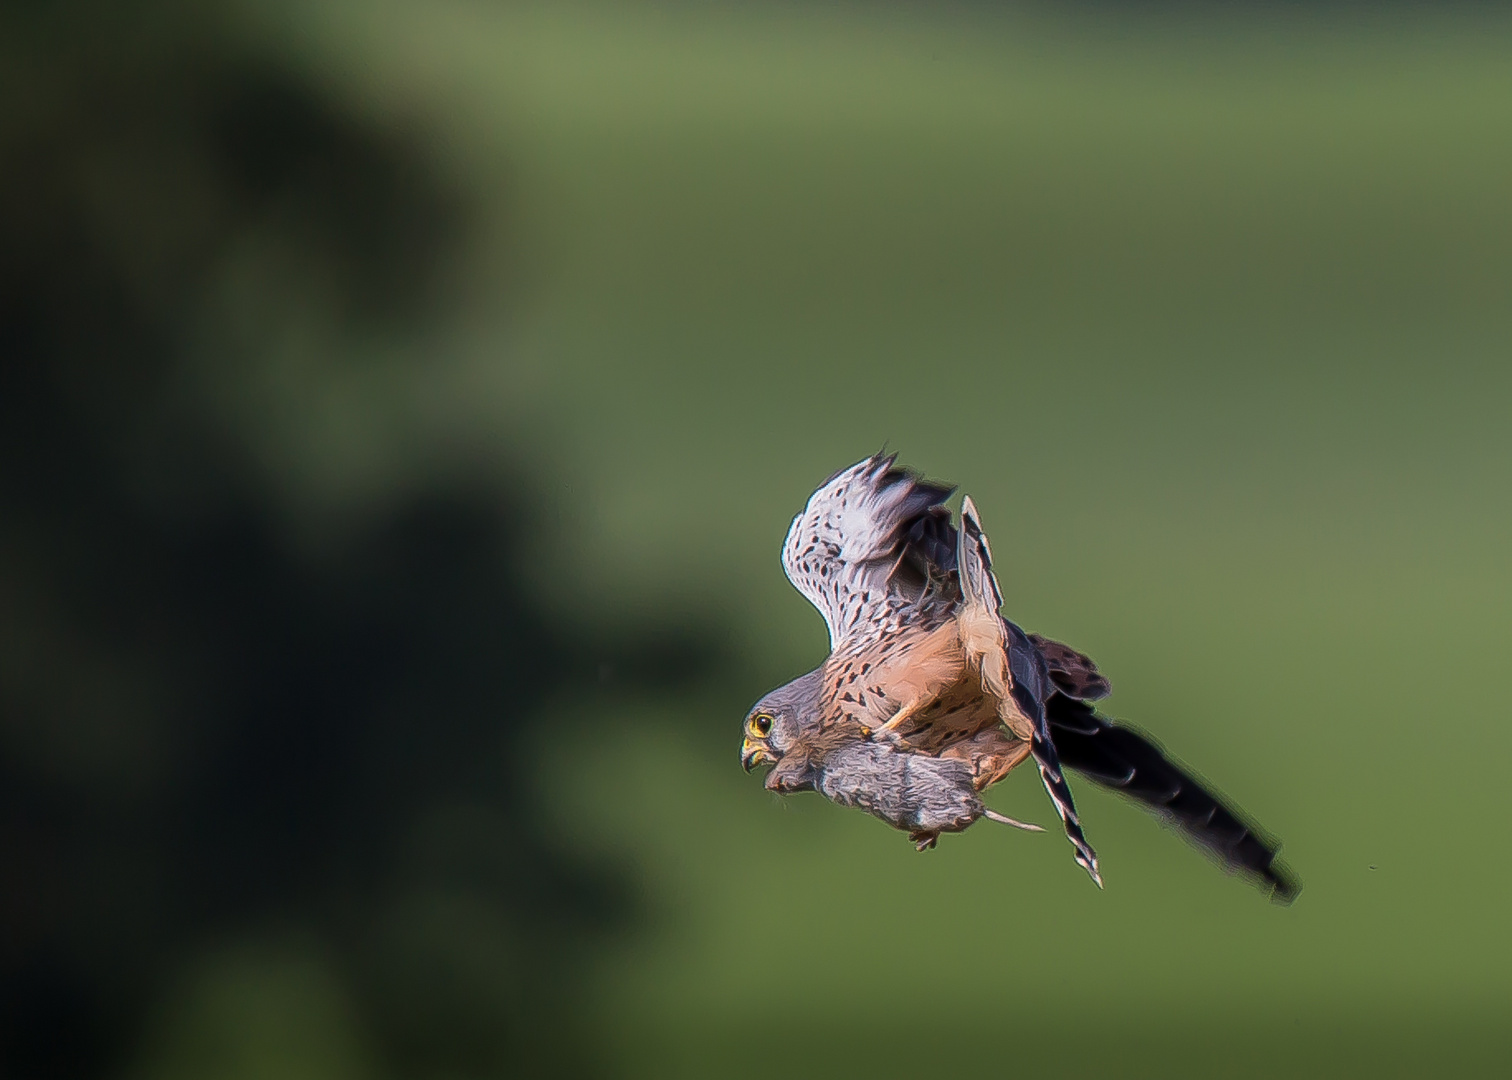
(208, 735)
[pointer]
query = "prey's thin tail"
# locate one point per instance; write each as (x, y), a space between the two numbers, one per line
(1027, 826)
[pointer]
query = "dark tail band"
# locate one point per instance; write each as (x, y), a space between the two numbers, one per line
(1130, 763)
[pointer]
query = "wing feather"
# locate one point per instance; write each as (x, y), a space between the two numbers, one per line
(1073, 673)
(1022, 707)
(870, 530)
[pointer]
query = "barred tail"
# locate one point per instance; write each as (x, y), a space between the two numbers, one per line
(1048, 760)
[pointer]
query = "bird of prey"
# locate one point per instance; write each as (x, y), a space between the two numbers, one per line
(929, 695)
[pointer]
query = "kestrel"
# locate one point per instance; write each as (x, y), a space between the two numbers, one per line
(929, 695)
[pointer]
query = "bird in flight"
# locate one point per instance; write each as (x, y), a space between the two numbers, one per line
(929, 696)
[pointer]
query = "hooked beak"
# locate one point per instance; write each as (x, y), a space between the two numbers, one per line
(753, 754)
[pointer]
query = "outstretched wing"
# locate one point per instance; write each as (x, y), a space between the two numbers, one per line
(1130, 763)
(871, 536)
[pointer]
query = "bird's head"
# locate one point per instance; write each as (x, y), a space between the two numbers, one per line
(775, 724)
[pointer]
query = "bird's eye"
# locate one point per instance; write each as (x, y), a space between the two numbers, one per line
(761, 725)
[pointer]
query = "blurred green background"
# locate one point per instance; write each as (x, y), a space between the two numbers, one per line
(401, 409)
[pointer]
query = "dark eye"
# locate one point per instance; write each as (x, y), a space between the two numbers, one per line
(761, 725)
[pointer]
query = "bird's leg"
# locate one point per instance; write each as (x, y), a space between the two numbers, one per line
(924, 839)
(886, 731)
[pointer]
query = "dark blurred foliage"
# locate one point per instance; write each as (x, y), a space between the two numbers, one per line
(208, 732)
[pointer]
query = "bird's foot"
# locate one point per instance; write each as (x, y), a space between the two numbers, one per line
(924, 839)
(888, 732)
(885, 736)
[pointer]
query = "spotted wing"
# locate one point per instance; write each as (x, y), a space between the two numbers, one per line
(1073, 673)
(870, 537)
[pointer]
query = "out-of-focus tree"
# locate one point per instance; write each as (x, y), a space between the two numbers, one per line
(252, 789)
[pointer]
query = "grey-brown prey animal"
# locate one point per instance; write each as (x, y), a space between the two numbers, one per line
(929, 695)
